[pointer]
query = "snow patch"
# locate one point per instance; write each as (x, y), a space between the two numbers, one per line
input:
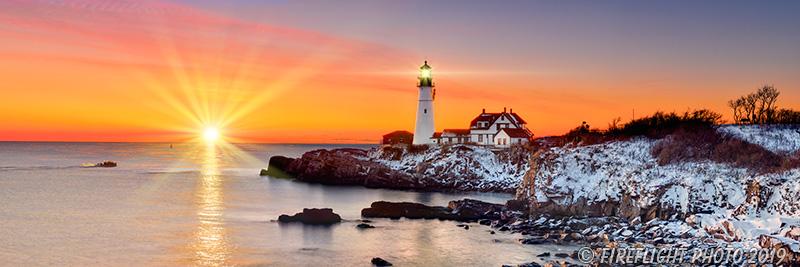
(472, 166)
(775, 138)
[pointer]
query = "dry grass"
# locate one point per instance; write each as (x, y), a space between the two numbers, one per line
(697, 144)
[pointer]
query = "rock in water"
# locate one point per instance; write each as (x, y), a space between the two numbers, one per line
(396, 210)
(104, 164)
(277, 167)
(380, 262)
(364, 226)
(323, 216)
(471, 209)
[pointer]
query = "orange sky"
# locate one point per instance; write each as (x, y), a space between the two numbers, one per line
(158, 71)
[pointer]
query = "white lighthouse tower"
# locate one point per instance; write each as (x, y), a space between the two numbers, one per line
(423, 131)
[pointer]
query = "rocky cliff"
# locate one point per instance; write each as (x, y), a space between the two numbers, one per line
(624, 179)
(435, 168)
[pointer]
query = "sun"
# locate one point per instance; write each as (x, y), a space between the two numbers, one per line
(211, 134)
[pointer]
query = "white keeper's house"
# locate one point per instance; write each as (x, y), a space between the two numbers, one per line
(501, 129)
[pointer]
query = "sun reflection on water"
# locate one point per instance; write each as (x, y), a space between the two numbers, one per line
(211, 246)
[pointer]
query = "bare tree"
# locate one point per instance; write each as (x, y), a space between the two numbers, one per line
(767, 96)
(758, 107)
(737, 105)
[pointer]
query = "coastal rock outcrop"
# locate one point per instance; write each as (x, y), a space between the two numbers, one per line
(439, 168)
(697, 198)
(347, 167)
(324, 216)
(277, 167)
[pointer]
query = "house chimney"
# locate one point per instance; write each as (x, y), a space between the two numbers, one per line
(510, 110)
(484, 111)
(504, 109)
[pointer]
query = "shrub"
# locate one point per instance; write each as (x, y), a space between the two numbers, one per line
(658, 125)
(584, 135)
(787, 116)
(743, 154)
(697, 144)
(687, 144)
(661, 124)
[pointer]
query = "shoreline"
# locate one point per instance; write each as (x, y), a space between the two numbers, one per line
(644, 203)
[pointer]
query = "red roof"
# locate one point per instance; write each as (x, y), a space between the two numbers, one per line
(491, 117)
(485, 117)
(437, 134)
(457, 131)
(517, 133)
(518, 118)
(396, 133)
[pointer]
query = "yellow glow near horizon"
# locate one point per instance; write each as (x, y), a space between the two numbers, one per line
(211, 134)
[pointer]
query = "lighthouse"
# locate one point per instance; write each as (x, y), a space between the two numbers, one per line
(423, 131)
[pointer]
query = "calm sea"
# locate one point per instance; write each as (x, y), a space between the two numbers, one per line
(202, 205)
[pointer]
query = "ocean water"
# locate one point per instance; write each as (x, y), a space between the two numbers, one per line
(202, 205)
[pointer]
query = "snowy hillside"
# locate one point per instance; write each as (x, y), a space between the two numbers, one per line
(775, 138)
(705, 194)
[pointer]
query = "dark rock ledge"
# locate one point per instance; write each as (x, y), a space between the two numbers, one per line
(349, 166)
(312, 216)
(459, 210)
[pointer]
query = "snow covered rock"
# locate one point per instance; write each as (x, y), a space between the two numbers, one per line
(624, 179)
(463, 167)
(438, 168)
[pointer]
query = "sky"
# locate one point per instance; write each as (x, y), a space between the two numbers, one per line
(345, 71)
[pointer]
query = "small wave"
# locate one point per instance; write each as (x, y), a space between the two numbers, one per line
(34, 168)
(171, 171)
(223, 171)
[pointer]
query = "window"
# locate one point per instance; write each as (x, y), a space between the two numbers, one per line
(425, 111)
(480, 138)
